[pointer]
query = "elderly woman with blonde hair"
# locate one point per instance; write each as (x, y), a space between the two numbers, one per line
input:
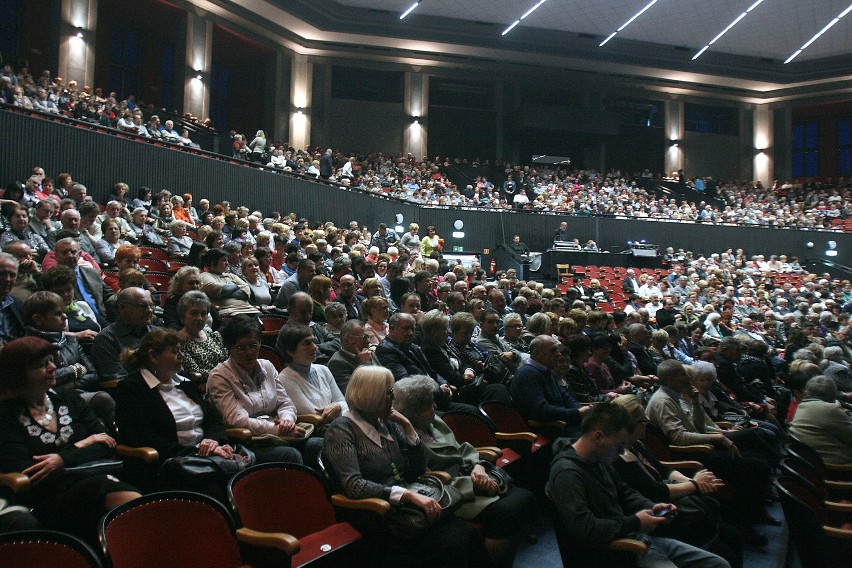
(373, 451)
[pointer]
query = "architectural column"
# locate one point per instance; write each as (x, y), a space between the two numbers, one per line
(199, 58)
(301, 94)
(416, 109)
(77, 41)
(674, 129)
(280, 105)
(763, 144)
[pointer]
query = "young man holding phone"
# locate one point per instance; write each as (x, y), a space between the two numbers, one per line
(595, 507)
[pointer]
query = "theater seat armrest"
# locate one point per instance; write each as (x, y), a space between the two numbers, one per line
(637, 547)
(845, 468)
(15, 481)
(552, 425)
(838, 485)
(689, 465)
(241, 434)
(840, 507)
(282, 541)
(374, 504)
(147, 455)
(314, 419)
(692, 449)
(489, 453)
(837, 532)
(108, 385)
(525, 436)
(445, 477)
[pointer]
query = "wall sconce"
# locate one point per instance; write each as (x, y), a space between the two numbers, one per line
(415, 120)
(199, 75)
(299, 110)
(760, 151)
(674, 143)
(79, 32)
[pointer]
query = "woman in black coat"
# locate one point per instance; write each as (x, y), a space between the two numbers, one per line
(158, 408)
(45, 433)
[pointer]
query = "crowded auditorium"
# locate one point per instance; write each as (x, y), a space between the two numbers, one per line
(426, 283)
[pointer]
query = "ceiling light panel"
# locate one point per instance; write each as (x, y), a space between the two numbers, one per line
(774, 30)
(728, 28)
(836, 20)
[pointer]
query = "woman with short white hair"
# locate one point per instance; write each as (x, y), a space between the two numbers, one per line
(373, 451)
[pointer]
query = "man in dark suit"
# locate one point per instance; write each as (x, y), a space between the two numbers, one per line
(403, 358)
(630, 285)
(354, 352)
(90, 287)
(326, 165)
(11, 322)
(300, 308)
(349, 298)
(667, 315)
(640, 338)
(535, 392)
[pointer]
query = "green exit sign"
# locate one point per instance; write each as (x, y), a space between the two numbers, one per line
(457, 249)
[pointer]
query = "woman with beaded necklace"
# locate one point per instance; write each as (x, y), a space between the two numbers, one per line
(43, 432)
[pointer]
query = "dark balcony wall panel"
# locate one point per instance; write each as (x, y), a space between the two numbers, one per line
(99, 160)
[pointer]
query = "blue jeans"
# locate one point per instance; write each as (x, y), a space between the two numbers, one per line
(670, 553)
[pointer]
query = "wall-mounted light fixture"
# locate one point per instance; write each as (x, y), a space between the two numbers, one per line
(79, 32)
(198, 74)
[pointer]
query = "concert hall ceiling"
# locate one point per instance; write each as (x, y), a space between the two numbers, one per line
(656, 50)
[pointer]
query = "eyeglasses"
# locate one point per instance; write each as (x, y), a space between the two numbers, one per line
(246, 346)
(143, 305)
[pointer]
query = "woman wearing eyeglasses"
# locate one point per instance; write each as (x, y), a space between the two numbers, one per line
(248, 394)
(157, 407)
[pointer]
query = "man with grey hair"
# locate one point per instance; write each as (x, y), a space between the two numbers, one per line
(135, 316)
(836, 369)
(300, 309)
(354, 352)
(535, 392)
(822, 424)
(640, 339)
(113, 212)
(77, 193)
(11, 322)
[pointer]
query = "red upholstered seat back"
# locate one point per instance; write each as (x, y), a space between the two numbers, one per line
(30, 554)
(171, 532)
(473, 430)
(279, 499)
(505, 417)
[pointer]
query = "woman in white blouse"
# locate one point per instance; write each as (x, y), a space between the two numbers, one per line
(245, 390)
(311, 386)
